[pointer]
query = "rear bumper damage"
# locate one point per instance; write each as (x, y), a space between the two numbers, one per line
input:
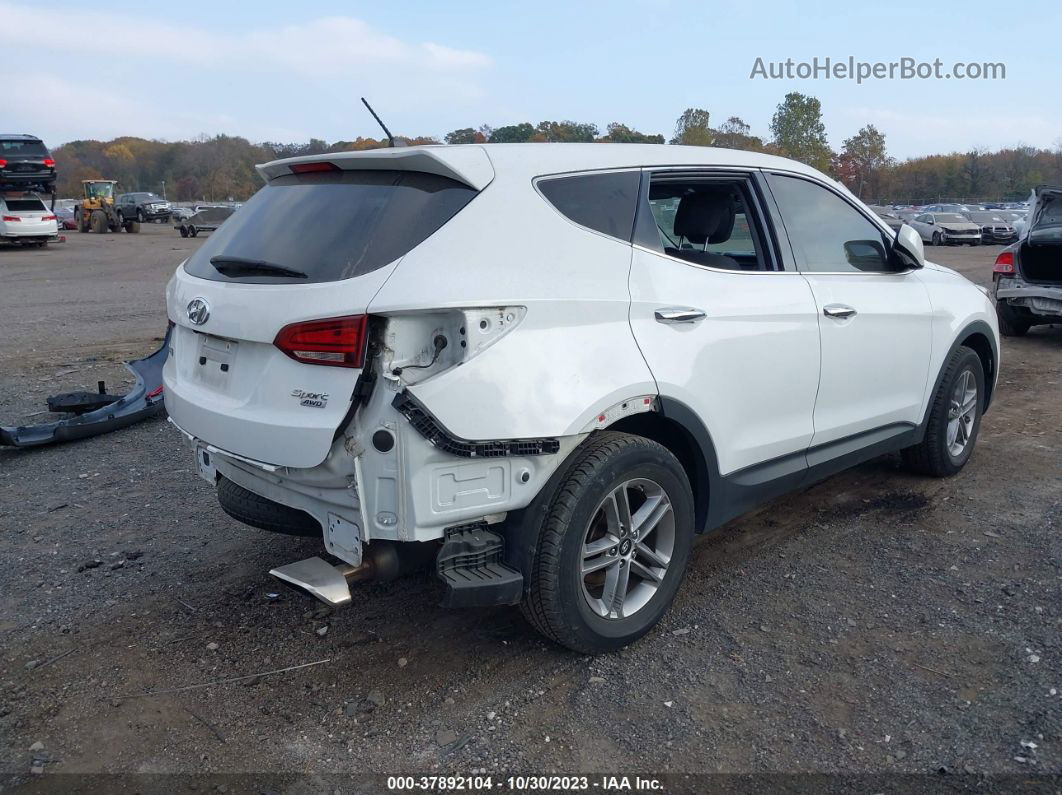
(390, 483)
(1040, 300)
(142, 401)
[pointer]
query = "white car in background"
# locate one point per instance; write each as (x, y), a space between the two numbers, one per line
(944, 229)
(545, 367)
(25, 219)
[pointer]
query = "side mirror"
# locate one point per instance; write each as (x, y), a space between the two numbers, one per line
(866, 255)
(908, 248)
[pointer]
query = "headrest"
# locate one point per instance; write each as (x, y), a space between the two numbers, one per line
(706, 216)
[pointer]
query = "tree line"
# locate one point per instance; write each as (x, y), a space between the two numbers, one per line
(222, 167)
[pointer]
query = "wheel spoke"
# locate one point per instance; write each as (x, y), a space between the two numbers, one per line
(598, 563)
(615, 590)
(603, 544)
(646, 572)
(953, 432)
(618, 511)
(651, 555)
(648, 516)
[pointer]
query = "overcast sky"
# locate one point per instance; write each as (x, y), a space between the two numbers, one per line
(286, 71)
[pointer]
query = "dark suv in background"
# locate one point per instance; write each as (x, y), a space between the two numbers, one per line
(26, 163)
(142, 207)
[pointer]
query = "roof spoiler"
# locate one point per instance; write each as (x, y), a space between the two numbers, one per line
(467, 164)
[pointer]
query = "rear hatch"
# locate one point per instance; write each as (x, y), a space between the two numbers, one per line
(271, 311)
(27, 216)
(1040, 255)
(25, 158)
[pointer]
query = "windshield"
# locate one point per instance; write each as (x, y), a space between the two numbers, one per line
(987, 217)
(333, 225)
(99, 190)
(951, 218)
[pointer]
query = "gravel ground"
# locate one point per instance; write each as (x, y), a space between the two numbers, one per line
(877, 623)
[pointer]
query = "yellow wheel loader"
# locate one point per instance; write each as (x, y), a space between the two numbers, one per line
(96, 211)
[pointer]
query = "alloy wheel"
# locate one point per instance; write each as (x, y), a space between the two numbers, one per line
(627, 548)
(962, 413)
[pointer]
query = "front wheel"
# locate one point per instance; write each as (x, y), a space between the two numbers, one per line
(612, 546)
(954, 418)
(938, 239)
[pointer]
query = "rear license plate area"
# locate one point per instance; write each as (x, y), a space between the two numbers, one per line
(215, 359)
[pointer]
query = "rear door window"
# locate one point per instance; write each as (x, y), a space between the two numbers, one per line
(332, 225)
(605, 203)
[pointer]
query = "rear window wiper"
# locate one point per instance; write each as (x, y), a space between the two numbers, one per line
(242, 266)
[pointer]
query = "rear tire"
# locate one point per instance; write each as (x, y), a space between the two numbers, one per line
(954, 418)
(132, 227)
(564, 602)
(193, 231)
(252, 509)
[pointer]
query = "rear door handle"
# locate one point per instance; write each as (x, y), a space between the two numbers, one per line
(840, 311)
(678, 314)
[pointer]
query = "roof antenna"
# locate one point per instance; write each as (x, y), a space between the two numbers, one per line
(390, 138)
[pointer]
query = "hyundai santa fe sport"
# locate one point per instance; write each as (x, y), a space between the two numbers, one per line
(542, 369)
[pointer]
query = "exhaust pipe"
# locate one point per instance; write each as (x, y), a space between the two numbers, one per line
(383, 561)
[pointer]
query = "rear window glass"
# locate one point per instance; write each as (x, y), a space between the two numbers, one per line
(25, 205)
(332, 225)
(22, 148)
(605, 203)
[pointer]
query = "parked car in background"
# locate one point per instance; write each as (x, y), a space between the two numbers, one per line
(26, 164)
(892, 219)
(1027, 276)
(358, 355)
(941, 228)
(142, 207)
(994, 227)
(951, 208)
(180, 213)
(66, 217)
(207, 218)
(25, 219)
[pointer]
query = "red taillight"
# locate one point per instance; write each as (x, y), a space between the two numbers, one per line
(11, 218)
(310, 168)
(335, 341)
(49, 163)
(3, 163)
(48, 218)
(1004, 262)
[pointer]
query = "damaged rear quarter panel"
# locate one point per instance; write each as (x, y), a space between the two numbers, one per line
(508, 247)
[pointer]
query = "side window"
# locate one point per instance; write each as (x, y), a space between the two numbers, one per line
(605, 203)
(828, 234)
(707, 221)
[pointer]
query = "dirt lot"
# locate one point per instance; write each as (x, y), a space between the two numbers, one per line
(876, 623)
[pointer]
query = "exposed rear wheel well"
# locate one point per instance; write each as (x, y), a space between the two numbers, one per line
(682, 445)
(979, 344)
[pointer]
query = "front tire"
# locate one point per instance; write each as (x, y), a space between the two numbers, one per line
(938, 239)
(612, 546)
(954, 418)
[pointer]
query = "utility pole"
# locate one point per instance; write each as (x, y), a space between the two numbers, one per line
(164, 189)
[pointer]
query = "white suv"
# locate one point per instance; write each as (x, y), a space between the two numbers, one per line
(546, 367)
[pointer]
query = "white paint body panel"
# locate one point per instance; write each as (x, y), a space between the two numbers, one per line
(749, 370)
(875, 364)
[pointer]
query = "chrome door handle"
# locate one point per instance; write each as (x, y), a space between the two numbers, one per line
(678, 314)
(838, 310)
